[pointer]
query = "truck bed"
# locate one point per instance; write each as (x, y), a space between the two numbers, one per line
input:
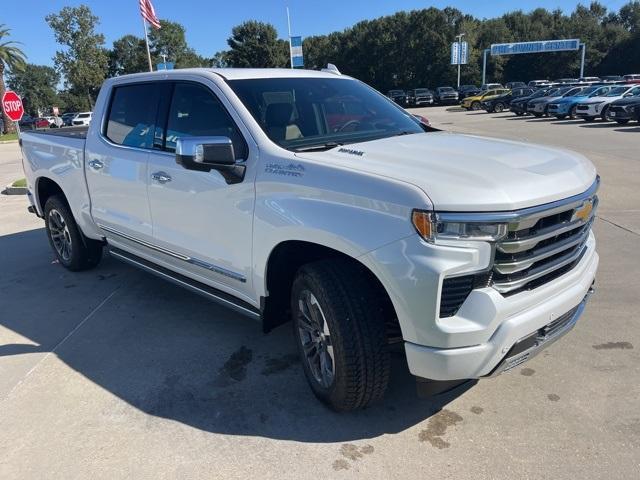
(73, 132)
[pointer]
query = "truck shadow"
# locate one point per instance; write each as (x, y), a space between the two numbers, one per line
(176, 356)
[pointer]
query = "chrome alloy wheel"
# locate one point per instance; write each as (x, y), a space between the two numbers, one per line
(60, 235)
(316, 339)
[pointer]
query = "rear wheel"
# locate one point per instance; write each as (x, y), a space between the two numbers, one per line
(73, 250)
(499, 107)
(340, 332)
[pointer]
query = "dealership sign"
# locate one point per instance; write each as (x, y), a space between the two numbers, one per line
(297, 59)
(543, 46)
(459, 53)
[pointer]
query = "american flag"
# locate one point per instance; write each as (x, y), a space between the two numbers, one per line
(148, 13)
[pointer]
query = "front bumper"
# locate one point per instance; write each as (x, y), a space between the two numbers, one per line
(535, 107)
(423, 101)
(588, 111)
(546, 305)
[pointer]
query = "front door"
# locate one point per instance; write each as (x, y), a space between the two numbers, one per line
(204, 222)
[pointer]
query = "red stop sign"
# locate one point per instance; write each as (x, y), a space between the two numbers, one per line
(12, 105)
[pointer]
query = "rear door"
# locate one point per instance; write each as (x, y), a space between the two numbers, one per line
(202, 221)
(117, 162)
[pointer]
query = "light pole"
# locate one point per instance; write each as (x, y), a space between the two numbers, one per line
(459, 39)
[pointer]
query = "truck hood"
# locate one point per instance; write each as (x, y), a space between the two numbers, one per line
(468, 173)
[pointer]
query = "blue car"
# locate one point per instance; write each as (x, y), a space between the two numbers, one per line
(566, 107)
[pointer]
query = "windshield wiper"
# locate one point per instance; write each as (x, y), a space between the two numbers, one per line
(319, 147)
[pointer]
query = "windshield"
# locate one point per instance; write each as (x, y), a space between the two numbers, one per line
(616, 92)
(422, 91)
(446, 89)
(572, 91)
(599, 91)
(396, 92)
(304, 113)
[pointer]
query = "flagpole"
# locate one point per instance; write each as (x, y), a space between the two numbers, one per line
(146, 40)
(289, 28)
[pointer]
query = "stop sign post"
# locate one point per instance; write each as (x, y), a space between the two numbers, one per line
(12, 106)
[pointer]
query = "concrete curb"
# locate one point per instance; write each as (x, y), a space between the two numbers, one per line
(6, 142)
(9, 190)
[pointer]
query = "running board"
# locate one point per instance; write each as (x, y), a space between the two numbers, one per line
(211, 293)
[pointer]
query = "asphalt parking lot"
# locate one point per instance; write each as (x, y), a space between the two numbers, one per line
(113, 373)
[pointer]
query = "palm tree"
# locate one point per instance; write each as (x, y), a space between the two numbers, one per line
(11, 59)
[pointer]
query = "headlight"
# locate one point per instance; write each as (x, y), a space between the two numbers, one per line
(430, 228)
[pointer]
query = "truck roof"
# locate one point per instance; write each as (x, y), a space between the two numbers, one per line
(240, 73)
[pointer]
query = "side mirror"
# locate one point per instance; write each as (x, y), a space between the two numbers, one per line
(209, 153)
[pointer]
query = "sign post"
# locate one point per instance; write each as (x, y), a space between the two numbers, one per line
(12, 107)
(459, 53)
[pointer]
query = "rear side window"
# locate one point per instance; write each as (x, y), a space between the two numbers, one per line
(132, 115)
(196, 112)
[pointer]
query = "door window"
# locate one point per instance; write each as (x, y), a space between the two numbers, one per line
(196, 112)
(131, 115)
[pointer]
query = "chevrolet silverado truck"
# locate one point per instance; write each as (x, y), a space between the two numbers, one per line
(308, 196)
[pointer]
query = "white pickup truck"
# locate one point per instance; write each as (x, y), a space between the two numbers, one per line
(308, 196)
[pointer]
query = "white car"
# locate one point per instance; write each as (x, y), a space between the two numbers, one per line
(305, 196)
(595, 107)
(82, 119)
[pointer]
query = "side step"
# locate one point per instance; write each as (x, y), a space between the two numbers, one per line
(211, 293)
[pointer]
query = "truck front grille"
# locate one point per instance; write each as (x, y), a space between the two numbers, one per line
(542, 247)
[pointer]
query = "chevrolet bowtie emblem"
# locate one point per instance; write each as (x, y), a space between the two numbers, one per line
(584, 212)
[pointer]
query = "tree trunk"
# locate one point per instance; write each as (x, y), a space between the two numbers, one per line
(9, 125)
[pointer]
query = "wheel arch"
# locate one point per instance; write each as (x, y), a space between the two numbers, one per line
(282, 265)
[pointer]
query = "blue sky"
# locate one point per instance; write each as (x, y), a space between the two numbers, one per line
(209, 23)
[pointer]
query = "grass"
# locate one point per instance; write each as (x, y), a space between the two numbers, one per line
(8, 137)
(20, 183)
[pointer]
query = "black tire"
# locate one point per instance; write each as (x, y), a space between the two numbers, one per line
(561, 117)
(343, 298)
(589, 119)
(519, 114)
(74, 251)
(622, 122)
(499, 107)
(475, 106)
(572, 112)
(605, 114)
(537, 114)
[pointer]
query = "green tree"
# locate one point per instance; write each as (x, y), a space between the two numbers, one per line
(255, 44)
(83, 61)
(12, 59)
(37, 86)
(128, 55)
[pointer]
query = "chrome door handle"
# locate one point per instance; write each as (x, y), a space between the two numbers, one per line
(96, 164)
(161, 177)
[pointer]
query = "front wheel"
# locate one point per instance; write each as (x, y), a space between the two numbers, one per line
(73, 250)
(572, 112)
(340, 332)
(499, 108)
(475, 106)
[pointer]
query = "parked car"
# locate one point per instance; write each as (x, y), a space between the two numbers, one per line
(419, 96)
(625, 109)
(67, 118)
(538, 107)
(475, 102)
(33, 123)
(398, 96)
(590, 79)
(375, 232)
(598, 106)
(566, 107)
(538, 83)
(519, 105)
(490, 86)
(81, 119)
(632, 77)
(502, 102)
(513, 85)
(467, 91)
(445, 96)
(566, 80)
(611, 78)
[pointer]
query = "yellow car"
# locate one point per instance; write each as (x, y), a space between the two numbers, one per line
(474, 103)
